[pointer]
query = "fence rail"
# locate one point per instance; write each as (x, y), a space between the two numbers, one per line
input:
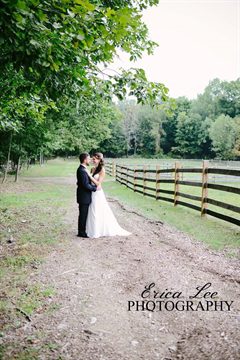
(139, 180)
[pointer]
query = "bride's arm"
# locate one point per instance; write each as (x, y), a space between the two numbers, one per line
(101, 177)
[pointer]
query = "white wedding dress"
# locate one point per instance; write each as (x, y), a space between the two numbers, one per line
(101, 220)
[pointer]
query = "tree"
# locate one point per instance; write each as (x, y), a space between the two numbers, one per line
(151, 130)
(190, 135)
(219, 97)
(129, 111)
(82, 127)
(181, 104)
(115, 145)
(236, 149)
(228, 98)
(61, 47)
(54, 53)
(22, 116)
(223, 133)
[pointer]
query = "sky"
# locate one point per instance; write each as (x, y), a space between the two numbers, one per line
(199, 40)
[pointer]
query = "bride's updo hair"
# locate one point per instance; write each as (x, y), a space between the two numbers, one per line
(98, 156)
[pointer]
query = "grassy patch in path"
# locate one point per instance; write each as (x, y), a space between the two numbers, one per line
(31, 226)
(216, 234)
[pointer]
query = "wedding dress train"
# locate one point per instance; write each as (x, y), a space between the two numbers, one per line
(101, 220)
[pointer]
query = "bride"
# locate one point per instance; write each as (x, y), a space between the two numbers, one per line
(101, 220)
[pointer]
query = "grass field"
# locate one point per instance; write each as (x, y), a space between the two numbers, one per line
(166, 162)
(214, 232)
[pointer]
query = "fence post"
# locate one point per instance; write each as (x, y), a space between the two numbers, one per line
(113, 168)
(204, 203)
(134, 179)
(120, 174)
(176, 180)
(144, 179)
(109, 168)
(157, 180)
(127, 176)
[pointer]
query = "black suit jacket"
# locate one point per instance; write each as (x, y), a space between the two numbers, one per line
(84, 186)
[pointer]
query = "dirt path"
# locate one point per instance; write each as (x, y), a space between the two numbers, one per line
(95, 279)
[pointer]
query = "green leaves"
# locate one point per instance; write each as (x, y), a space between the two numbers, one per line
(22, 5)
(50, 57)
(63, 37)
(135, 83)
(110, 12)
(35, 43)
(86, 4)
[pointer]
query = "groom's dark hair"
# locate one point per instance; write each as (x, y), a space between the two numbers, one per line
(83, 156)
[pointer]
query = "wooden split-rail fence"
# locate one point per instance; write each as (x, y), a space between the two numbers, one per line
(138, 179)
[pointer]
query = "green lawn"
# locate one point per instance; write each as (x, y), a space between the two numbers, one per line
(55, 168)
(167, 162)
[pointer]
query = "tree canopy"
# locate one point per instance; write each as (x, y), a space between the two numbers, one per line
(54, 82)
(57, 94)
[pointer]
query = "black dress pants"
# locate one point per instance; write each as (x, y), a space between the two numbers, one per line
(82, 218)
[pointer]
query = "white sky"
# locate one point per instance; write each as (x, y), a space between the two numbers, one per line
(199, 40)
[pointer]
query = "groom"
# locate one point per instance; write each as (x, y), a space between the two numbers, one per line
(84, 193)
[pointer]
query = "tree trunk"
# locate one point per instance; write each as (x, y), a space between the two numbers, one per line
(18, 167)
(41, 158)
(8, 159)
(157, 140)
(135, 145)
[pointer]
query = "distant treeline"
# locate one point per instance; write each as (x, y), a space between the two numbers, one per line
(206, 127)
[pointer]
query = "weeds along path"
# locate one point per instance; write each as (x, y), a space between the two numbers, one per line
(96, 278)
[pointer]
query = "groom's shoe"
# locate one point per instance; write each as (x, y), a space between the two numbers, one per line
(83, 235)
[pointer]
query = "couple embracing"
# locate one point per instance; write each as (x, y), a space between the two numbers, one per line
(95, 217)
